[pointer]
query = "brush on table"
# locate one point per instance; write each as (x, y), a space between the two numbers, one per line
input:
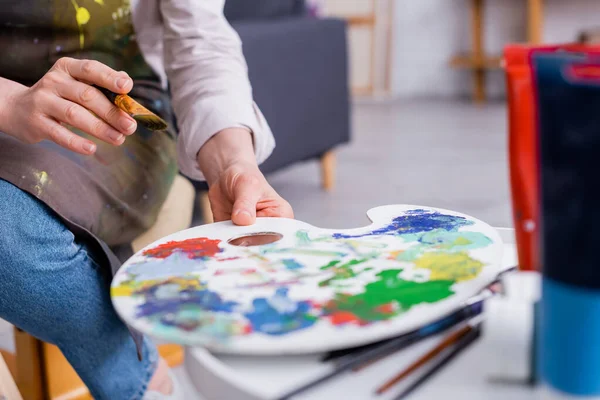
(462, 344)
(382, 349)
(449, 341)
(360, 357)
(141, 114)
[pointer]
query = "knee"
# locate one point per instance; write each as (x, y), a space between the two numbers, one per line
(46, 278)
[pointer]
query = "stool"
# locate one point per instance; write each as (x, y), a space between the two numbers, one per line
(40, 369)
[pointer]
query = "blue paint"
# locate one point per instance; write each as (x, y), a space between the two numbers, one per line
(415, 221)
(279, 314)
(292, 264)
(166, 298)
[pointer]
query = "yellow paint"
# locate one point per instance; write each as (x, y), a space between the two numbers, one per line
(121, 291)
(462, 241)
(450, 266)
(42, 180)
(82, 15)
(129, 288)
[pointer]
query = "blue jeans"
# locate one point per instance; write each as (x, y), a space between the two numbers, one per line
(51, 288)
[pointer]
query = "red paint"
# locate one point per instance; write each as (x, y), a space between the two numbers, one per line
(249, 271)
(228, 259)
(344, 317)
(193, 248)
(389, 308)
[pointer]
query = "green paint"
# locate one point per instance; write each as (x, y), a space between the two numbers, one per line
(388, 290)
(331, 264)
(302, 238)
(341, 272)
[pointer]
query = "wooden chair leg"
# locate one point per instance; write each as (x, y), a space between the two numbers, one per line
(8, 387)
(207, 215)
(328, 170)
(29, 365)
(43, 373)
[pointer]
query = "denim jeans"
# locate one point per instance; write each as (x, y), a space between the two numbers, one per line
(51, 288)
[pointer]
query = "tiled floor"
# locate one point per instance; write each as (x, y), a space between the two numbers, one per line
(444, 154)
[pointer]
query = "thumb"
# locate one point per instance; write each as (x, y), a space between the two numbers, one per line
(246, 196)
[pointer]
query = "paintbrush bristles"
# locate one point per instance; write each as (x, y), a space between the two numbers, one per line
(140, 113)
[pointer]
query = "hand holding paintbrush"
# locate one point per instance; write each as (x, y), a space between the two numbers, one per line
(65, 97)
(141, 114)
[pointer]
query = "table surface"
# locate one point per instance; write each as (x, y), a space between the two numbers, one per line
(495, 368)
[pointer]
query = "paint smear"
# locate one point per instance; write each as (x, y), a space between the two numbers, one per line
(415, 221)
(291, 264)
(385, 298)
(42, 180)
(456, 267)
(194, 248)
(341, 272)
(279, 314)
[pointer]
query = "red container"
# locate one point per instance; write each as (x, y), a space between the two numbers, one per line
(523, 146)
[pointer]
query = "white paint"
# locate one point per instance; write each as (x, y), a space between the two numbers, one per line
(429, 32)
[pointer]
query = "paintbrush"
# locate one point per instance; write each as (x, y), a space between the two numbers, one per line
(447, 342)
(381, 349)
(141, 114)
(461, 345)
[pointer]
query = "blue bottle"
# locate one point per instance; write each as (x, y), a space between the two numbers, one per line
(568, 96)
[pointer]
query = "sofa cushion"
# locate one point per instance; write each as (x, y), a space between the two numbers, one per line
(236, 10)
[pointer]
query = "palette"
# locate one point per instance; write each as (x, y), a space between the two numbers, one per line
(308, 289)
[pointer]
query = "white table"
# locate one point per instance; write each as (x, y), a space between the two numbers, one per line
(495, 368)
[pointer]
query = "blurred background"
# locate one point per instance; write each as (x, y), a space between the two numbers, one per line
(425, 92)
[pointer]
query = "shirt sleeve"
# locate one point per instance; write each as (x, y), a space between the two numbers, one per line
(209, 79)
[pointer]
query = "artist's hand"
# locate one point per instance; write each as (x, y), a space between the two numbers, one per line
(65, 96)
(238, 190)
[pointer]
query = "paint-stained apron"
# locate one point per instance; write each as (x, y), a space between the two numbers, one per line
(110, 198)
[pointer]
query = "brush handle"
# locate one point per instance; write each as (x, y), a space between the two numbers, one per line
(109, 95)
(464, 343)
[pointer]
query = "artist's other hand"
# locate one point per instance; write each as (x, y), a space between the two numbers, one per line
(65, 96)
(238, 190)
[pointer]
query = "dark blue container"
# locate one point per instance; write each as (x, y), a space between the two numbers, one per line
(569, 134)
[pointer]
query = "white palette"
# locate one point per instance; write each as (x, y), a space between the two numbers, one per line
(315, 289)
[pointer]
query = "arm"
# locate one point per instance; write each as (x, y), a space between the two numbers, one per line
(212, 96)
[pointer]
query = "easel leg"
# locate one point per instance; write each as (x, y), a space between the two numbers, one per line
(535, 21)
(479, 94)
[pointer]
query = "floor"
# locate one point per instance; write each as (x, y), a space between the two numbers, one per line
(445, 154)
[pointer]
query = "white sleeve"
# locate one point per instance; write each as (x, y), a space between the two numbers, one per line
(209, 79)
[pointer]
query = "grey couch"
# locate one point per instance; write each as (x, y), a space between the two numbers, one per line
(298, 69)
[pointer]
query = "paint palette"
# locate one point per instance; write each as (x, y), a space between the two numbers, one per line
(282, 286)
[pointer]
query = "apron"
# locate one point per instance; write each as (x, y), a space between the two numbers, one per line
(110, 198)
